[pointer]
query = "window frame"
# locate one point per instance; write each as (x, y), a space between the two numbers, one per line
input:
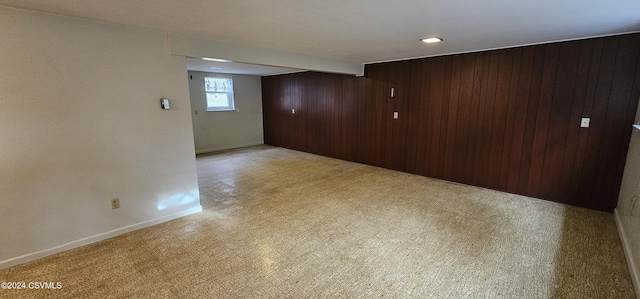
(230, 94)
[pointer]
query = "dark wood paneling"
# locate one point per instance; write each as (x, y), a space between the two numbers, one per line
(530, 116)
(506, 119)
(596, 131)
(510, 133)
(454, 74)
(521, 102)
(462, 157)
(423, 110)
(560, 122)
(413, 118)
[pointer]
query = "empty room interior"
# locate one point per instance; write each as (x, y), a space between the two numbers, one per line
(320, 149)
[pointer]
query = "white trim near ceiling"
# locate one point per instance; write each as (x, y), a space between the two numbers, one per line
(502, 48)
(189, 46)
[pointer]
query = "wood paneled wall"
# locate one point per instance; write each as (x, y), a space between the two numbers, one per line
(507, 120)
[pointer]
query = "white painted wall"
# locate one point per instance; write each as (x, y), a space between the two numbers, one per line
(628, 210)
(220, 130)
(80, 123)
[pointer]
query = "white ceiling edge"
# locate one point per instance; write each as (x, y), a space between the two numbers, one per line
(190, 46)
(503, 47)
(357, 31)
(249, 60)
(199, 65)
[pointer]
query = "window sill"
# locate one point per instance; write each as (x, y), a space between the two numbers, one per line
(221, 110)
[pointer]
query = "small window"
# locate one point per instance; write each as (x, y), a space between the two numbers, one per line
(219, 93)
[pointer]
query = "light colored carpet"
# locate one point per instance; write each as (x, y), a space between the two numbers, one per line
(285, 224)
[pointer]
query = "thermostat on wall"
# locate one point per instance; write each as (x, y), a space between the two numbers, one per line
(165, 104)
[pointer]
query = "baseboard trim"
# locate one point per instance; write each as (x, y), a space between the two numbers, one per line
(95, 238)
(224, 148)
(631, 262)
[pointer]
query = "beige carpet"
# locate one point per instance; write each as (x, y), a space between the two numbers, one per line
(285, 224)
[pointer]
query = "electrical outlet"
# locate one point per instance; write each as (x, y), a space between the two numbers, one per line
(584, 123)
(115, 203)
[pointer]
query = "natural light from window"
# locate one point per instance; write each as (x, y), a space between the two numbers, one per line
(219, 93)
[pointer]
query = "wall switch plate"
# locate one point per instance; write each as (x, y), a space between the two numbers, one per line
(395, 114)
(164, 103)
(115, 203)
(585, 122)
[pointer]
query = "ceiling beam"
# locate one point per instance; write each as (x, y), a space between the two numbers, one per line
(189, 46)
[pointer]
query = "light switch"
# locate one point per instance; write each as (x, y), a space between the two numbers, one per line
(164, 103)
(395, 114)
(585, 122)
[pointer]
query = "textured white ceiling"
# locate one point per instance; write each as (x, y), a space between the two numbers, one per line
(363, 30)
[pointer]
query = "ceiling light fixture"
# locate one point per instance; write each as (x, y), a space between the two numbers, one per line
(430, 40)
(215, 59)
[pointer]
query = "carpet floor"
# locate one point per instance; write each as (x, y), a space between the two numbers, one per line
(285, 224)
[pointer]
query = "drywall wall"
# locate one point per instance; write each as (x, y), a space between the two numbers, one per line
(81, 124)
(220, 130)
(628, 210)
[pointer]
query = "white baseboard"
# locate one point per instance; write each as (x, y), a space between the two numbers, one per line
(631, 258)
(224, 148)
(95, 238)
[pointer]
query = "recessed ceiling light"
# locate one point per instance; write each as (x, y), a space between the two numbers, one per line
(430, 40)
(215, 59)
